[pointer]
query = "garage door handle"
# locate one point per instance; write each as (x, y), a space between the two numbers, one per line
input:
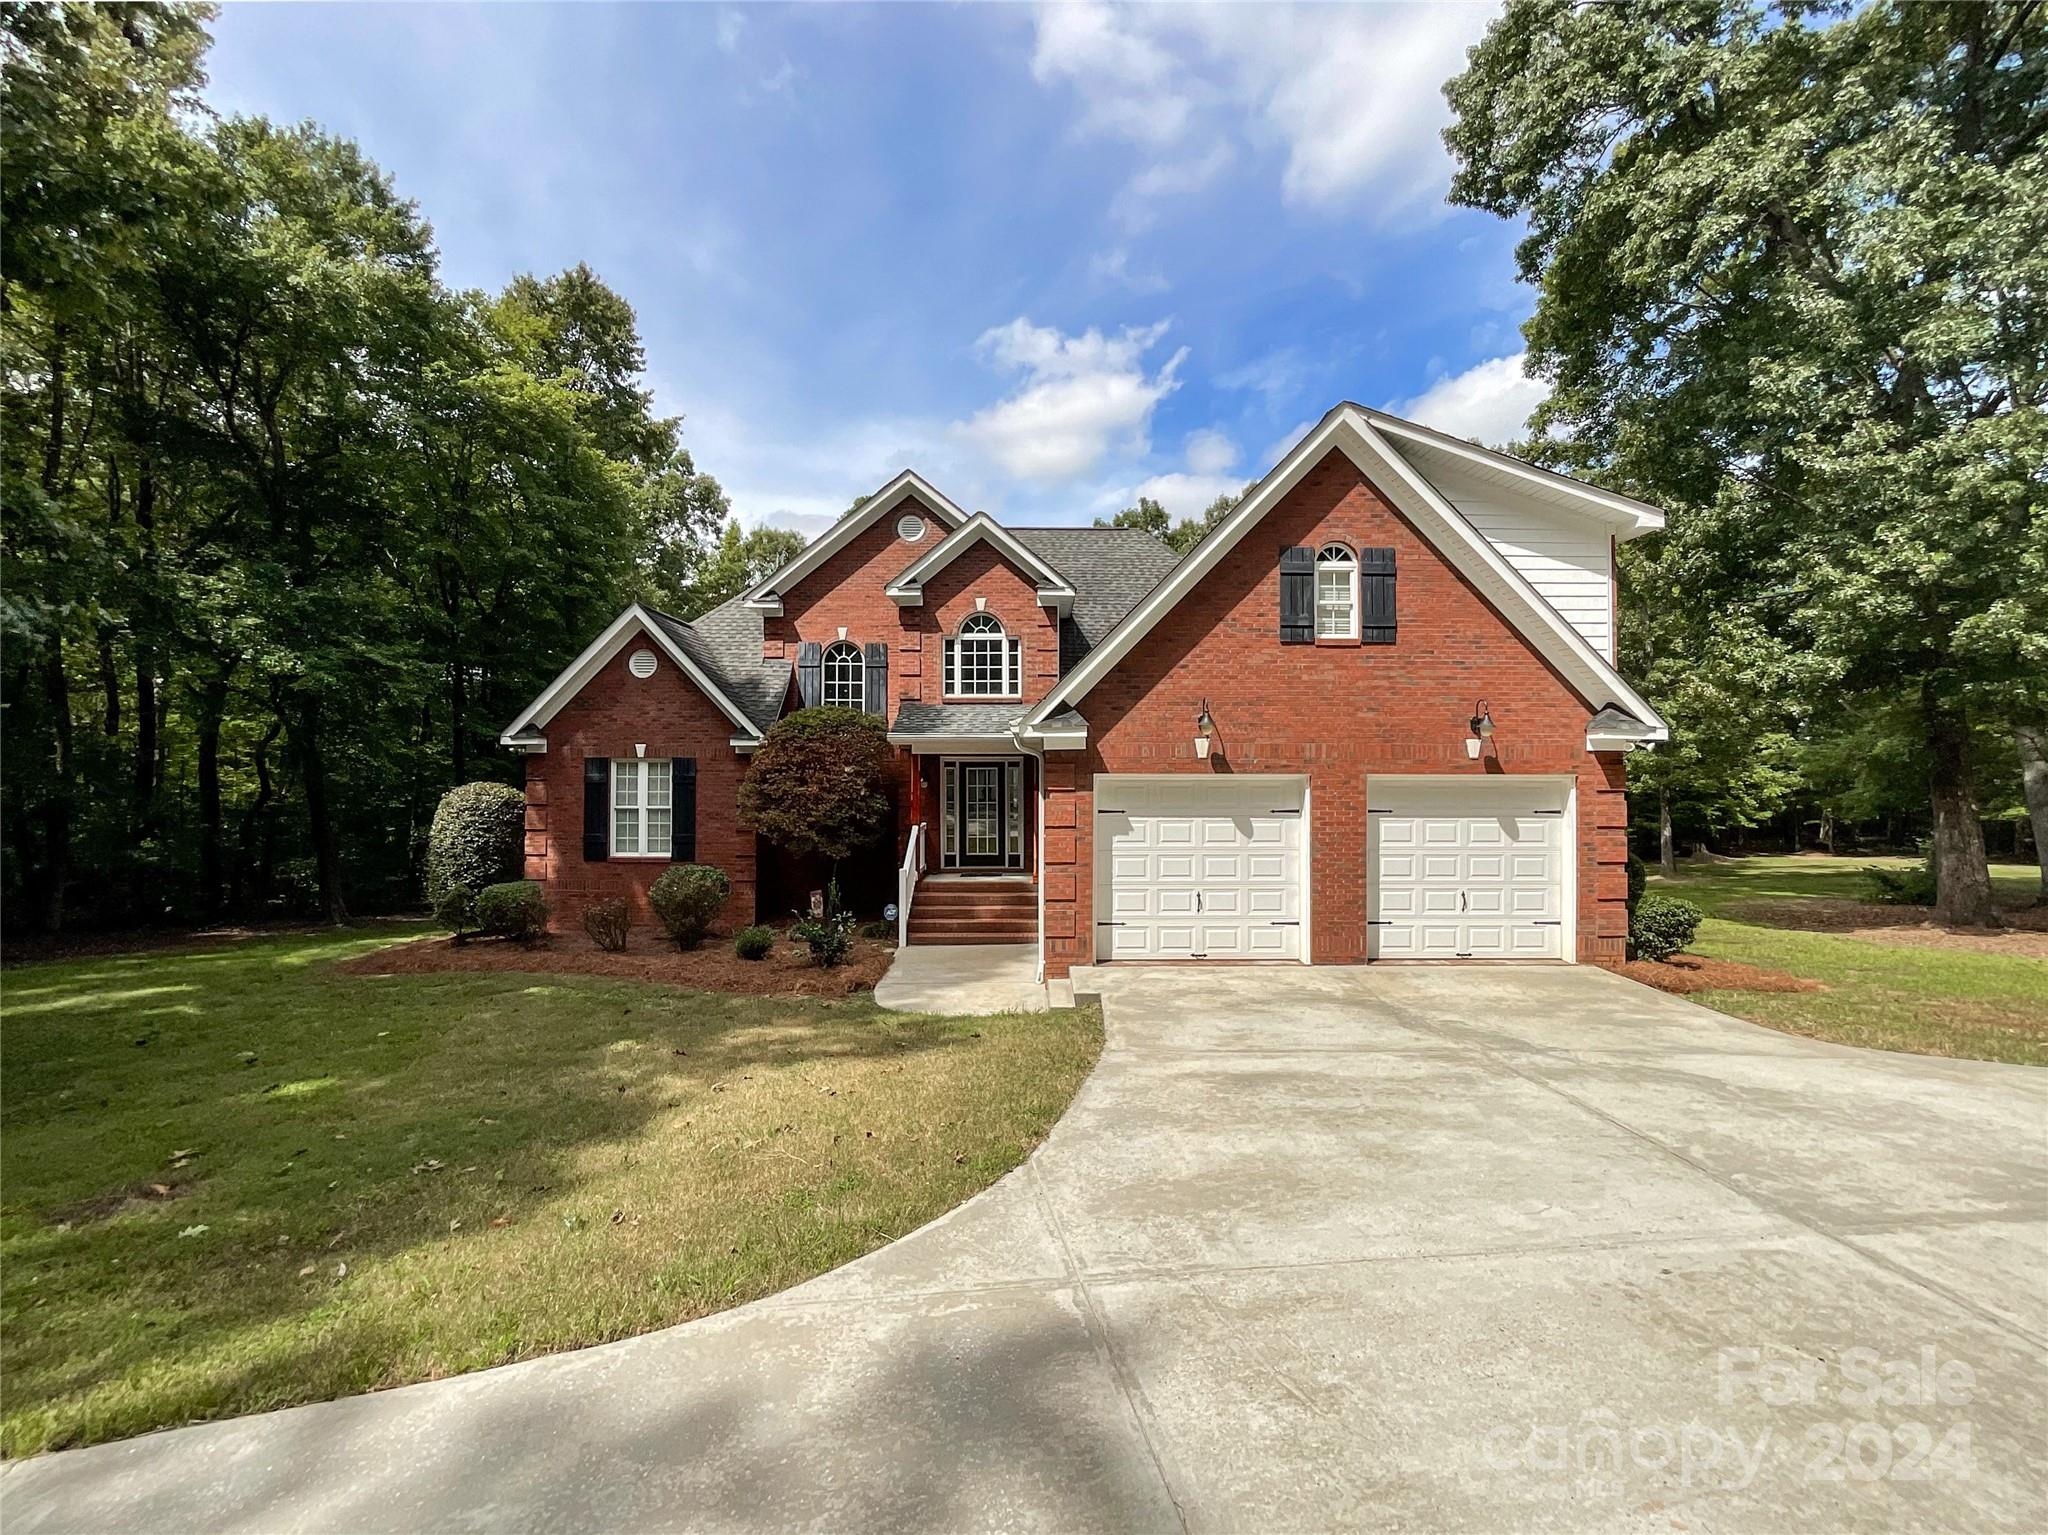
(1198, 900)
(1461, 900)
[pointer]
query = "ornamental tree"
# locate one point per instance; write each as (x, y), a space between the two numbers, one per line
(1793, 286)
(819, 783)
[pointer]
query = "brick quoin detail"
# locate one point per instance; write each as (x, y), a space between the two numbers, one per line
(672, 718)
(1335, 713)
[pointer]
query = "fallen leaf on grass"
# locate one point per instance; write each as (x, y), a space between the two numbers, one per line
(307, 1270)
(193, 1231)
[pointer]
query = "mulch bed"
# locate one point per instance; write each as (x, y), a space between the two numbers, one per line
(1686, 973)
(2025, 933)
(786, 972)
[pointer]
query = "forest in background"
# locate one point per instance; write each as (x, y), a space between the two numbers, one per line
(292, 528)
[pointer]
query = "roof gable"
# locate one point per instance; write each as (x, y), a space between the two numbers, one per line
(767, 597)
(1054, 590)
(636, 621)
(1351, 430)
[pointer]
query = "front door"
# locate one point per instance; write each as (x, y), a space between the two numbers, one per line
(984, 814)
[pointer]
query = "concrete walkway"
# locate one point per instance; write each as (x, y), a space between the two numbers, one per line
(965, 980)
(1425, 1249)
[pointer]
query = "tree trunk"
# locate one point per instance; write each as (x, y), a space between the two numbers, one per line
(2032, 741)
(1962, 876)
(1667, 848)
(458, 721)
(147, 719)
(1827, 831)
(259, 822)
(312, 764)
(57, 804)
(213, 700)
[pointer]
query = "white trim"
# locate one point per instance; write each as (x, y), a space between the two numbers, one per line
(1012, 648)
(642, 766)
(1346, 429)
(1568, 897)
(767, 597)
(1617, 743)
(598, 653)
(946, 746)
(1351, 565)
(1002, 758)
(1607, 505)
(907, 590)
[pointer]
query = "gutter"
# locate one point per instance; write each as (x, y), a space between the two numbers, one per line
(1038, 752)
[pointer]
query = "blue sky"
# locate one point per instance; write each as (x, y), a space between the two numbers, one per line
(1053, 257)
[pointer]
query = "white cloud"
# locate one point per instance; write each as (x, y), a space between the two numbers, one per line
(1210, 451)
(1114, 266)
(1081, 397)
(730, 25)
(1284, 445)
(1352, 96)
(1487, 403)
(1185, 495)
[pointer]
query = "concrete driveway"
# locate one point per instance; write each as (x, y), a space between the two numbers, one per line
(1437, 1249)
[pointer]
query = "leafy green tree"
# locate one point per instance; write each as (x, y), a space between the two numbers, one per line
(739, 562)
(1148, 516)
(819, 783)
(1792, 283)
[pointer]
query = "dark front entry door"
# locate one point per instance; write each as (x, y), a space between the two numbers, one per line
(984, 828)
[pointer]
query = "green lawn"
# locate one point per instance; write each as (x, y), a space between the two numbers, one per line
(1931, 1001)
(236, 1179)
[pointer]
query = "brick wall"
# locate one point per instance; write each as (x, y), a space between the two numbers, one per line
(1336, 713)
(614, 712)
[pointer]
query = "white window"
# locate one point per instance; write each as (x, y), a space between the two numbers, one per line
(982, 661)
(846, 677)
(643, 816)
(1336, 593)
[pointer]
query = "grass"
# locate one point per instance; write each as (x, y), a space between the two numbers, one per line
(1929, 1001)
(236, 1179)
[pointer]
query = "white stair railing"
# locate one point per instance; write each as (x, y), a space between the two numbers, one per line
(906, 881)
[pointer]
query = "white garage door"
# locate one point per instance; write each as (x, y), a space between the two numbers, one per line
(1203, 868)
(1465, 869)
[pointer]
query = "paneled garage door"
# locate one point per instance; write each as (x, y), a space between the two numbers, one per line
(1465, 868)
(1201, 868)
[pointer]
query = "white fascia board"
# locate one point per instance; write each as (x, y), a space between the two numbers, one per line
(577, 675)
(767, 597)
(1629, 743)
(1057, 740)
(953, 746)
(907, 590)
(1347, 429)
(1635, 516)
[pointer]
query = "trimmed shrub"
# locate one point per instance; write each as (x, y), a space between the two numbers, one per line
(1902, 887)
(456, 911)
(830, 938)
(1638, 880)
(516, 909)
(686, 900)
(819, 784)
(878, 930)
(1661, 925)
(607, 923)
(478, 838)
(754, 942)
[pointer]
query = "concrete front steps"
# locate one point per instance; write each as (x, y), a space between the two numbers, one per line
(974, 911)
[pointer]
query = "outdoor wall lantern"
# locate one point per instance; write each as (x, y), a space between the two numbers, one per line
(1482, 731)
(1205, 732)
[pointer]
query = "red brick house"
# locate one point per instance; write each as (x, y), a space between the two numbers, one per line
(1374, 715)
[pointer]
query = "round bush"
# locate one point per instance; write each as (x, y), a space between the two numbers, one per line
(456, 910)
(517, 909)
(607, 923)
(478, 838)
(687, 899)
(1661, 925)
(754, 942)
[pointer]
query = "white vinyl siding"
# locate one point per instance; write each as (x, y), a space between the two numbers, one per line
(643, 815)
(1566, 560)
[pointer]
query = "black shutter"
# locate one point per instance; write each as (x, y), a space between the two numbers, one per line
(810, 683)
(1297, 597)
(878, 678)
(682, 816)
(1376, 596)
(597, 809)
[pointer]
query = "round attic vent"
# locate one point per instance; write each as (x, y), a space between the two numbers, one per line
(910, 527)
(641, 663)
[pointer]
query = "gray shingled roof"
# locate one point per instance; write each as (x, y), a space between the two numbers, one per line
(1613, 721)
(1110, 569)
(919, 719)
(726, 643)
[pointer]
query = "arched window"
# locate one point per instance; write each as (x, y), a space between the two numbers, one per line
(982, 661)
(846, 677)
(1336, 593)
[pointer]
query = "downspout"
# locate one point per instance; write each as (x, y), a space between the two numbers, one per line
(1039, 753)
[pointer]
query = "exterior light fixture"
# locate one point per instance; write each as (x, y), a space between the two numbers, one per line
(1482, 731)
(1205, 732)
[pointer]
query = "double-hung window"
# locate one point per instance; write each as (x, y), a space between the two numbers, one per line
(845, 677)
(643, 814)
(1336, 593)
(982, 661)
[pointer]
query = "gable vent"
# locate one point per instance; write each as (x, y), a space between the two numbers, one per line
(641, 663)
